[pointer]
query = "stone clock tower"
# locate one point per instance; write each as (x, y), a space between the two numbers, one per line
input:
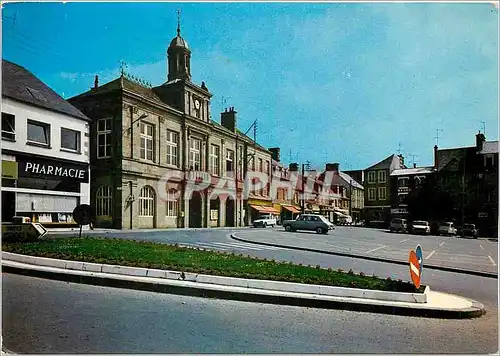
(179, 91)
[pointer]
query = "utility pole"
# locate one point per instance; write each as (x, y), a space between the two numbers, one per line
(463, 194)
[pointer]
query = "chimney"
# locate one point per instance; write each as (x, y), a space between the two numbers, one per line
(275, 153)
(414, 165)
(96, 82)
(332, 167)
(401, 161)
(435, 156)
(293, 167)
(480, 138)
(228, 119)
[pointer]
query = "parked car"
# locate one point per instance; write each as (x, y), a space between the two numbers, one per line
(265, 221)
(447, 228)
(398, 225)
(421, 227)
(311, 222)
(469, 230)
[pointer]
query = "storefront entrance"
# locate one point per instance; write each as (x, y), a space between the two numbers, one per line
(8, 206)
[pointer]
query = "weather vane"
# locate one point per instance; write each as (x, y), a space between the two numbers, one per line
(178, 22)
(123, 65)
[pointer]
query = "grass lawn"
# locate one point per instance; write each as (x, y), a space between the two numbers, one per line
(162, 256)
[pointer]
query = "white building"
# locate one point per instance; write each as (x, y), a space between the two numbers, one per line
(45, 160)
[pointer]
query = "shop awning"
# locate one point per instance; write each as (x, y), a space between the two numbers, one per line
(340, 214)
(291, 209)
(270, 210)
(259, 208)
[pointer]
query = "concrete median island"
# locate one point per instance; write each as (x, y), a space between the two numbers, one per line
(173, 269)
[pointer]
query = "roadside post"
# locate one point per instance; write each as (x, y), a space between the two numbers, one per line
(82, 215)
(22, 229)
(414, 269)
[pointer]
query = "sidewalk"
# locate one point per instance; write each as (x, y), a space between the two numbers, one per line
(428, 304)
(87, 231)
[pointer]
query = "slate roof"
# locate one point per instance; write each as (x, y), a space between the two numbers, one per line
(123, 83)
(489, 147)
(391, 163)
(412, 171)
(20, 84)
(349, 179)
(445, 156)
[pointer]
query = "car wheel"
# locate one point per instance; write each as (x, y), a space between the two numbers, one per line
(288, 228)
(264, 225)
(319, 230)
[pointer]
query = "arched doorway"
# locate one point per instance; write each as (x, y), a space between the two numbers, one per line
(230, 212)
(195, 208)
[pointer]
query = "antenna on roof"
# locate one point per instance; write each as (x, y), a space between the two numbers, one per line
(400, 148)
(437, 136)
(412, 158)
(484, 127)
(223, 102)
(123, 65)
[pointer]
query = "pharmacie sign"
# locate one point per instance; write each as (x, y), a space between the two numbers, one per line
(54, 169)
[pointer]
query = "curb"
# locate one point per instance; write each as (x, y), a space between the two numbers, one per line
(54, 231)
(181, 287)
(369, 258)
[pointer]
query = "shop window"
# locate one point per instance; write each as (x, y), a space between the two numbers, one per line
(104, 201)
(147, 202)
(8, 127)
(59, 185)
(70, 139)
(38, 133)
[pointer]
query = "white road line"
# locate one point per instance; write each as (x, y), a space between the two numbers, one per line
(441, 244)
(375, 249)
(404, 240)
(430, 255)
(238, 246)
(492, 261)
(207, 245)
(482, 248)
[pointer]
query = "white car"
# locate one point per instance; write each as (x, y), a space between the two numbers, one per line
(265, 221)
(447, 228)
(421, 227)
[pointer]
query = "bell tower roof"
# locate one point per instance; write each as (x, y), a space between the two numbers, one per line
(179, 56)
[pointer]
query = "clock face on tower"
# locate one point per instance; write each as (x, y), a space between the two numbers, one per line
(197, 104)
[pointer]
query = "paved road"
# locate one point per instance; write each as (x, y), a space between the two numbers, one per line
(484, 290)
(45, 316)
(469, 254)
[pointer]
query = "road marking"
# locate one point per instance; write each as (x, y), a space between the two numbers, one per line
(234, 246)
(375, 249)
(404, 240)
(430, 255)
(492, 261)
(441, 244)
(482, 248)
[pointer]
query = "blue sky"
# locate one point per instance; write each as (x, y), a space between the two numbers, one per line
(328, 82)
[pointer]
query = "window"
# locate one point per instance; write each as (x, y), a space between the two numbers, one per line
(371, 177)
(103, 138)
(371, 194)
(38, 132)
(214, 159)
(172, 203)
(488, 160)
(8, 126)
(240, 163)
(382, 178)
(104, 200)
(402, 198)
(229, 161)
(147, 202)
(172, 148)
(195, 154)
(260, 165)
(403, 182)
(70, 139)
(382, 193)
(147, 141)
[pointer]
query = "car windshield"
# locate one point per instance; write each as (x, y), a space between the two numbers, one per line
(324, 219)
(418, 222)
